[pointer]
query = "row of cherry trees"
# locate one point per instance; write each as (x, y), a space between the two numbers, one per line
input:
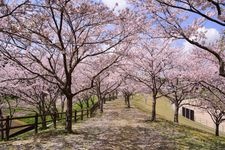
(52, 46)
(71, 50)
(186, 78)
(196, 75)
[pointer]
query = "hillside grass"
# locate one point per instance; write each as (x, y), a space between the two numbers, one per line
(165, 111)
(185, 135)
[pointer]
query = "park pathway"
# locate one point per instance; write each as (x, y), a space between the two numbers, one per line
(118, 128)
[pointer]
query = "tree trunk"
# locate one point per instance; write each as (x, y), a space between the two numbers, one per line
(1, 114)
(128, 101)
(101, 104)
(176, 112)
(104, 99)
(44, 124)
(62, 107)
(69, 114)
(87, 103)
(43, 114)
(110, 97)
(217, 129)
(100, 100)
(55, 110)
(116, 94)
(125, 99)
(153, 118)
(98, 91)
(1, 124)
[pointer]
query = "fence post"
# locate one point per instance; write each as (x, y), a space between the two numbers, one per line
(82, 112)
(87, 112)
(91, 111)
(54, 119)
(93, 108)
(7, 128)
(2, 127)
(36, 123)
(110, 97)
(66, 118)
(2, 134)
(75, 116)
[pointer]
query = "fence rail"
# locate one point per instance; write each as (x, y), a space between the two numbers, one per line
(7, 122)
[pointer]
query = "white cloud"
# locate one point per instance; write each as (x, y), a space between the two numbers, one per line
(211, 35)
(117, 4)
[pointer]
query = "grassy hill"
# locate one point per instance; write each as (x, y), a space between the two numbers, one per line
(187, 135)
(165, 111)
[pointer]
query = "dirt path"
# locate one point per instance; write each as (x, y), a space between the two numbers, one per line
(118, 128)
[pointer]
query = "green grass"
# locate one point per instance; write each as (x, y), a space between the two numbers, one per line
(32, 120)
(60, 124)
(76, 106)
(186, 135)
(48, 118)
(165, 111)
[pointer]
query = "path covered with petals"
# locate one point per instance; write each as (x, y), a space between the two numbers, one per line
(117, 128)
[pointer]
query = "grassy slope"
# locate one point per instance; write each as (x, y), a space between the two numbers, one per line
(188, 135)
(165, 111)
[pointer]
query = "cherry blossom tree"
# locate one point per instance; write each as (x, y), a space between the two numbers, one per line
(211, 91)
(212, 100)
(107, 82)
(128, 88)
(179, 85)
(201, 8)
(9, 101)
(151, 58)
(209, 94)
(7, 8)
(38, 94)
(8, 104)
(86, 97)
(178, 90)
(185, 19)
(105, 85)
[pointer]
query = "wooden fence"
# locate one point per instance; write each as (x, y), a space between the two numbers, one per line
(7, 128)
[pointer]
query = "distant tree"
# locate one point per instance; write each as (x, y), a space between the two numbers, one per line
(106, 84)
(211, 99)
(8, 104)
(210, 92)
(178, 90)
(179, 85)
(150, 60)
(40, 95)
(128, 88)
